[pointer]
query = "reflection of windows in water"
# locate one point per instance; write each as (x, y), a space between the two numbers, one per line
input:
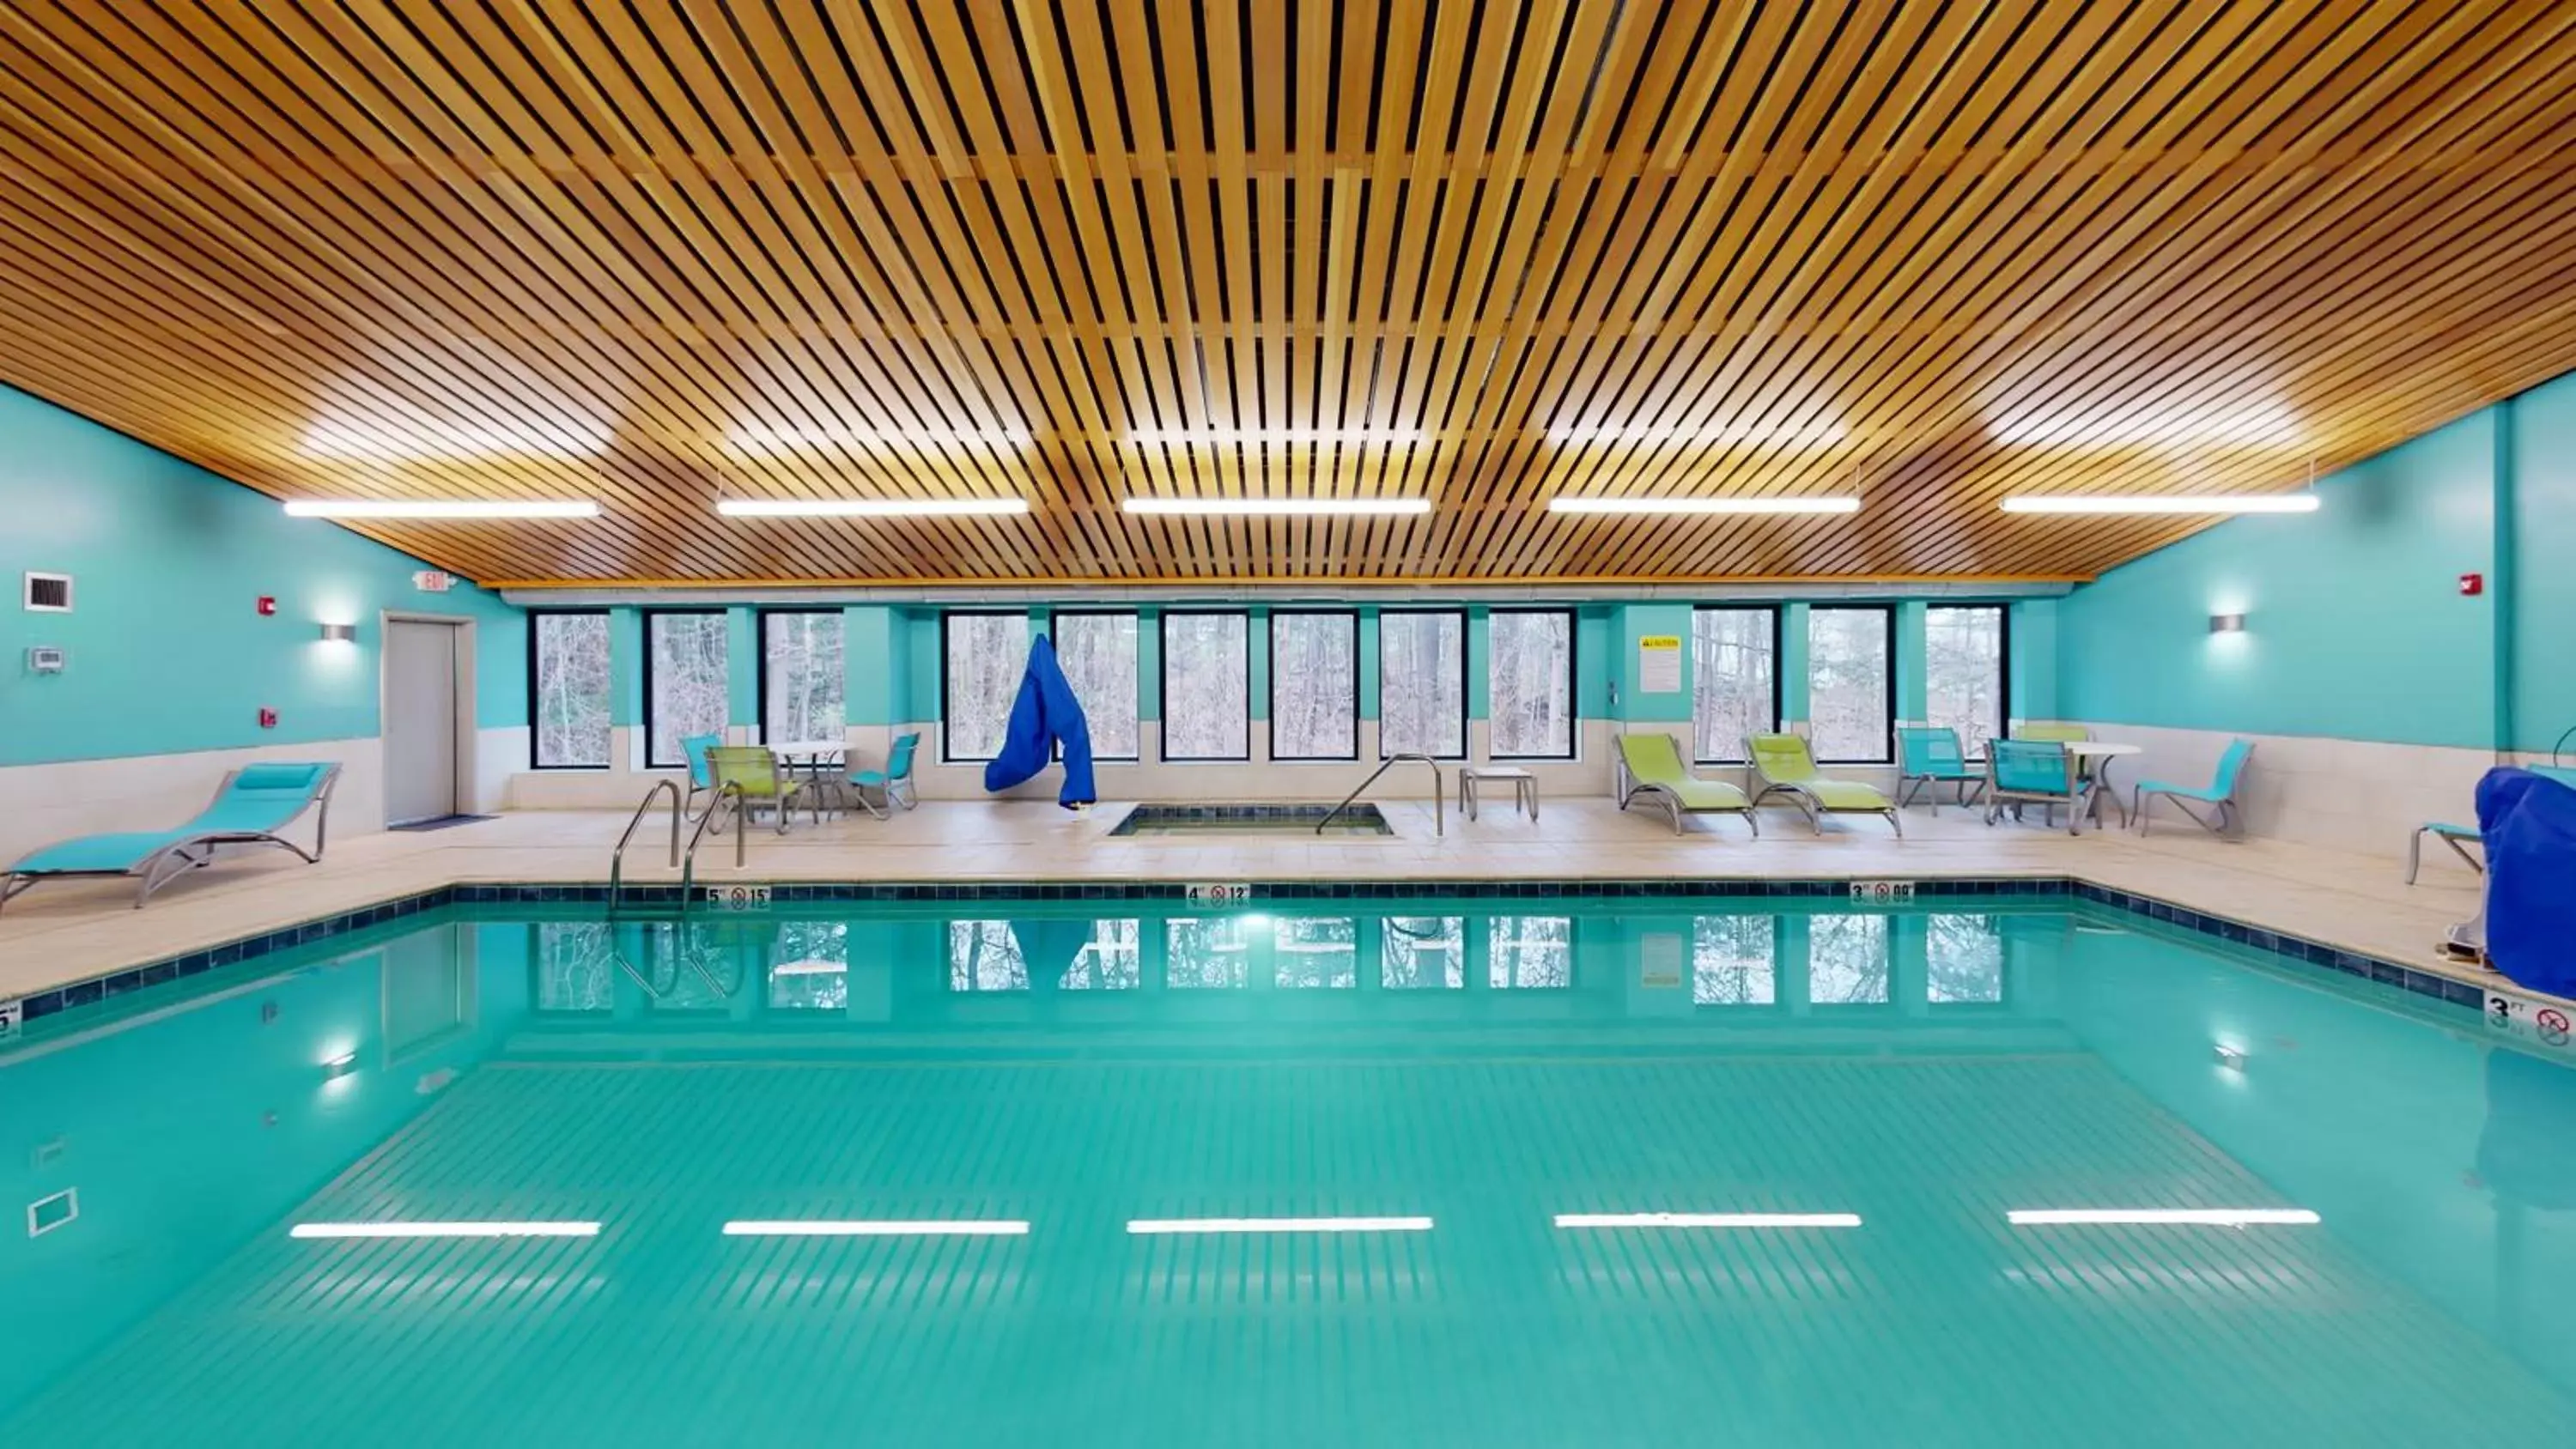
(1846, 959)
(985, 956)
(1203, 953)
(573, 967)
(1110, 960)
(1531, 951)
(1731, 961)
(1318, 951)
(1964, 958)
(1418, 951)
(810, 966)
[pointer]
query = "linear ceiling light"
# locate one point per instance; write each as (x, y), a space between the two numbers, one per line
(878, 1228)
(436, 508)
(445, 1230)
(1671, 435)
(2104, 503)
(433, 442)
(1708, 1220)
(871, 507)
(762, 442)
(2189, 1217)
(1166, 1227)
(1279, 507)
(1273, 437)
(1677, 507)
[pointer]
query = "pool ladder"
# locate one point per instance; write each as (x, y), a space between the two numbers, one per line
(686, 861)
(1439, 798)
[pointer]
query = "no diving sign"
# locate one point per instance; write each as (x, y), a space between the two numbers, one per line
(2544, 1022)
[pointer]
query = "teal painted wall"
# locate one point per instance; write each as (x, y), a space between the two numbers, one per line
(1636, 622)
(2540, 645)
(167, 652)
(2031, 681)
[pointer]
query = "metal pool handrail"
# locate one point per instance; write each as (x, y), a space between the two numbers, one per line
(617, 859)
(1439, 797)
(730, 790)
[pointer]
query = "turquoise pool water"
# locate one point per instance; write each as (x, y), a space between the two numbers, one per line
(1097, 1148)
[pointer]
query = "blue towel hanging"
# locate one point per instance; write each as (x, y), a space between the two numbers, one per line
(1044, 716)
(2529, 823)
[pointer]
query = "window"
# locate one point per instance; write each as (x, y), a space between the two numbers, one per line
(1964, 959)
(982, 658)
(1731, 961)
(1735, 680)
(1963, 672)
(1112, 960)
(575, 965)
(1207, 687)
(685, 683)
(1422, 684)
(1530, 951)
(1422, 952)
(1851, 684)
(1315, 686)
(985, 956)
(1204, 954)
(800, 676)
(1316, 952)
(1098, 653)
(1846, 960)
(810, 966)
(1530, 679)
(568, 690)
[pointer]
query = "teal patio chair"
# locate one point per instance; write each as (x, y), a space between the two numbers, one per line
(893, 784)
(1928, 757)
(251, 807)
(2032, 772)
(702, 775)
(2226, 821)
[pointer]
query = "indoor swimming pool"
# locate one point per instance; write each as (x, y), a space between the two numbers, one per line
(1506, 1169)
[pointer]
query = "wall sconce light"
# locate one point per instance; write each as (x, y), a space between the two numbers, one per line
(339, 1066)
(339, 633)
(2227, 623)
(2231, 1057)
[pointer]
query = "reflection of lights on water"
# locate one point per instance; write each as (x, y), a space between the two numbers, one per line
(446, 1230)
(1708, 1220)
(336, 1067)
(1171, 1227)
(2230, 1056)
(2183, 1217)
(878, 1228)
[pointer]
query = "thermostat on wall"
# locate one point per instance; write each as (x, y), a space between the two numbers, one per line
(45, 659)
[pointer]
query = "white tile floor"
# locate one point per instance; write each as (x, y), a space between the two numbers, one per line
(69, 931)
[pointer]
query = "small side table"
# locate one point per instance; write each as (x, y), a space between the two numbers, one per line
(1524, 787)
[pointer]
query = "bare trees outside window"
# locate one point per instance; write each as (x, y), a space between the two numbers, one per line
(1314, 686)
(1098, 653)
(1735, 680)
(1731, 961)
(685, 683)
(1847, 960)
(1422, 684)
(1319, 952)
(1207, 687)
(1963, 673)
(568, 690)
(1533, 952)
(983, 658)
(801, 678)
(1851, 695)
(1964, 960)
(1422, 952)
(1530, 679)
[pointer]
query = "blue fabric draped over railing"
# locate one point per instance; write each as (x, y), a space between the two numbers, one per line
(1045, 716)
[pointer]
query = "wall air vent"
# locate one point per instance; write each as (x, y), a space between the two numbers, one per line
(49, 593)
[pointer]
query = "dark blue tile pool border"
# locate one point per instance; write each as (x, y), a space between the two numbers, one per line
(2294, 949)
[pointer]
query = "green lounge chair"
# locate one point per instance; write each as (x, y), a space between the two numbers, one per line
(893, 784)
(1788, 768)
(749, 776)
(2225, 821)
(2033, 772)
(1651, 765)
(253, 804)
(1928, 758)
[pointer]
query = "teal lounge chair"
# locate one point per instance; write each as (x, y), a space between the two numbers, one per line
(254, 803)
(893, 784)
(2225, 821)
(702, 773)
(2032, 772)
(2458, 837)
(1928, 757)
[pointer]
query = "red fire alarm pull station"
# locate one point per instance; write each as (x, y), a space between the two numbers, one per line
(2472, 585)
(267, 606)
(267, 718)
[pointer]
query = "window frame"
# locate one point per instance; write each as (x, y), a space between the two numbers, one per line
(760, 632)
(1460, 612)
(1137, 704)
(535, 732)
(947, 717)
(1270, 641)
(1573, 683)
(646, 674)
(1779, 696)
(1163, 687)
(2003, 670)
(1887, 627)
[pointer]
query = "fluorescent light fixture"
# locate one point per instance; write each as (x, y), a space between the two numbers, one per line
(2187, 1217)
(877, 1228)
(340, 633)
(872, 507)
(2263, 424)
(764, 442)
(2162, 503)
(1685, 507)
(1278, 507)
(396, 442)
(1273, 437)
(445, 1230)
(2227, 623)
(1667, 435)
(1708, 1220)
(1183, 1227)
(435, 508)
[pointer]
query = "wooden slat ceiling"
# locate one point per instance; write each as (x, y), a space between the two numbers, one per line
(657, 252)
